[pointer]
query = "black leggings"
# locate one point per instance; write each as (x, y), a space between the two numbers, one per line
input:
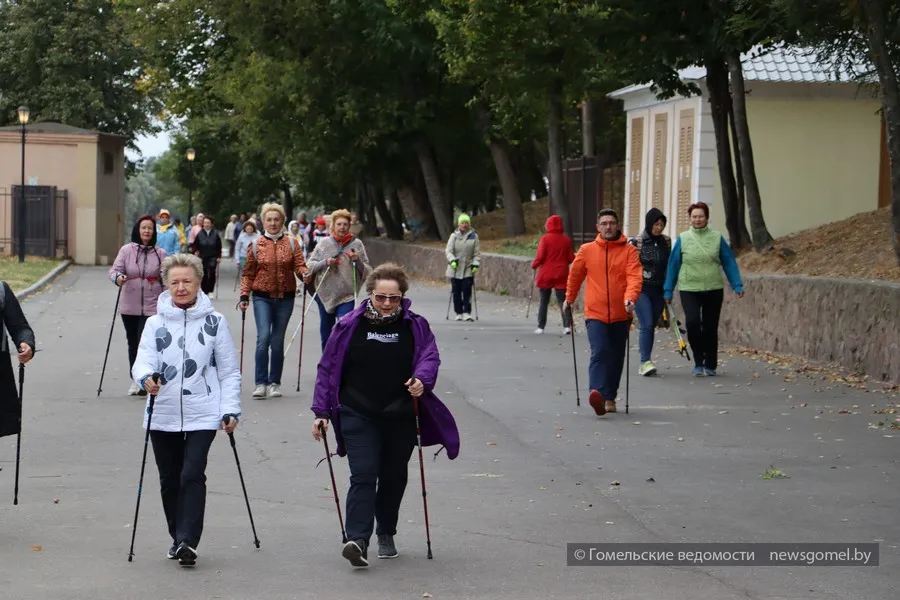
(701, 315)
(545, 304)
(134, 327)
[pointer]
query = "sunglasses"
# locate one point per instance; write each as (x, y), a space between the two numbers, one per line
(385, 298)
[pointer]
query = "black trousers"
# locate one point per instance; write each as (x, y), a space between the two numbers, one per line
(210, 272)
(545, 304)
(461, 289)
(134, 327)
(378, 453)
(181, 460)
(701, 315)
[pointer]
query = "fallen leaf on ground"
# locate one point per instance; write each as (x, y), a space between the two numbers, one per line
(492, 443)
(427, 595)
(37, 548)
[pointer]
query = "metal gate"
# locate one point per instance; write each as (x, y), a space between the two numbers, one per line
(46, 221)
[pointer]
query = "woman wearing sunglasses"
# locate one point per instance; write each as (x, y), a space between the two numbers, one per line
(378, 359)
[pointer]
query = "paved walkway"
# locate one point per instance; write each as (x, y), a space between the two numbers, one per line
(534, 473)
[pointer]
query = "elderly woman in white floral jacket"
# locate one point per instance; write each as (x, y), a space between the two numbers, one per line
(188, 344)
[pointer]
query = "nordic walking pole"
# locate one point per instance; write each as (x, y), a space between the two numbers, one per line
(216, 288)
(19, 435)
(627, 364)
(302, 328)
(355, 290)
(137, 507)
(574, 358)
(237, 277)
(305, 311)
(449, 300)
(475, 297)
(109, 342)
(337, 501)
(531, 294)
(243, 486)
(422, 474)
(243, 322)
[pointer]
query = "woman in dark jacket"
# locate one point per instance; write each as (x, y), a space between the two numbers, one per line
(208, 246)
(554, 255)
(12, 320)
(655, 249)
(377, 372)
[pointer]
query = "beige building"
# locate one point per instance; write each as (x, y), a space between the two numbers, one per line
(818, 144)
(89, 166)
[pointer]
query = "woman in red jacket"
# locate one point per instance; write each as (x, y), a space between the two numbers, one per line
(554, 255)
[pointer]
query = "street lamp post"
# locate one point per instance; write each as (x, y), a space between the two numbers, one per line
(23, 121)
(191, 155)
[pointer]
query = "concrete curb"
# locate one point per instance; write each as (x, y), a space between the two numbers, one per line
(43, 281)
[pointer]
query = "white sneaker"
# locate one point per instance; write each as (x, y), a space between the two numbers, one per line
(539, 331)
(134, 389)
(259, 391)
(459, 318)
(275, 390)
(567, 330)
(467, 317)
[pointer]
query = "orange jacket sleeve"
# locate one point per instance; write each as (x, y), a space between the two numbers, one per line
(576, 277)
(249, 272)
(634, 275)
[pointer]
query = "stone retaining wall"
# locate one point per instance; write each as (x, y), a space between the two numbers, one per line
(855, 324)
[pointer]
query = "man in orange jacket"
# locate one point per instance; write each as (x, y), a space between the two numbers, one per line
(614, 275)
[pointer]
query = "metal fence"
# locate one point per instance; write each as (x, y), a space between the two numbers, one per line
(46, 225)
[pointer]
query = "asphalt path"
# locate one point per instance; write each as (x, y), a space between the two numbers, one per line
(535, 472)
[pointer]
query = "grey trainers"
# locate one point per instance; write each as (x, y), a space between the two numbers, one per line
(386, 547)
(356, 551)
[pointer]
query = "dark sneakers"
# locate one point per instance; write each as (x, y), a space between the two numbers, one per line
(386, 547)
(597, 403)
(356, 551)
(171, 553)
(187, 556)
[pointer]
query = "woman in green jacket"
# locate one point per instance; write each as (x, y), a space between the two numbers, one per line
(698, 258)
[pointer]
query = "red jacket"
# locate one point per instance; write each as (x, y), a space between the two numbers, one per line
(554, 255)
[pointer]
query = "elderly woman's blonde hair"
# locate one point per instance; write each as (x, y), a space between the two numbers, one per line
(341, 213)
(181, 260)
(269, 207)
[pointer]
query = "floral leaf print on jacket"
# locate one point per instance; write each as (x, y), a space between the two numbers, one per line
(163, 339)
(190, 367)
(200, 338)
(169, 372)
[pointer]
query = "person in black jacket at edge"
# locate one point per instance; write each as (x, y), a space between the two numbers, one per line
(208, 246)
(655, 249)
(12, 320)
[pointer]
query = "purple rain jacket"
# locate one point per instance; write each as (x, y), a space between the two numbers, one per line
(435, 421)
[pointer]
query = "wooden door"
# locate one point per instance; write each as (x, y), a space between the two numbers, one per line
(660, 156)
(685, 168)
(635, 176)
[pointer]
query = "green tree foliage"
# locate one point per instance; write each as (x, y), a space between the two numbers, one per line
(72, 61)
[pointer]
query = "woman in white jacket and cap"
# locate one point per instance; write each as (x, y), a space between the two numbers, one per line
(187, 359)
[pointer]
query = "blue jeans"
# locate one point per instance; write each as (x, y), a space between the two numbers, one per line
(378, 453)
(608, 347)
(327, 320)
(271, 316)
(649, 309)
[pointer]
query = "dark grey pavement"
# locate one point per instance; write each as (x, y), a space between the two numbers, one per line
(534, 473)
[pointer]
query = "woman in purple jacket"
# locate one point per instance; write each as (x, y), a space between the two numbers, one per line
(137, 272)
(377, 358)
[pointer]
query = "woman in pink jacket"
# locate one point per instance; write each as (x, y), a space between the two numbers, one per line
(137, 272)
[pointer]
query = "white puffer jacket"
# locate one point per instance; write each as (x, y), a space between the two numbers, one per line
(200, 380)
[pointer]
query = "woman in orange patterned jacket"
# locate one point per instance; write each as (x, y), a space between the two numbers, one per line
(273, 260)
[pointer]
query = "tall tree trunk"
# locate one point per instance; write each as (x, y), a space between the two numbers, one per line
(554, 145)
(396, 208)
(588, 144)
(370, 225)
(391, 227)
(506, 174)
(433, 186)
(744, 240)
(717, 85)
(762, 239)
(512, 201)
(288, 201)
(874, 13)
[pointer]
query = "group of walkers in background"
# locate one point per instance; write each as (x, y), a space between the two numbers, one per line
(637, 276)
